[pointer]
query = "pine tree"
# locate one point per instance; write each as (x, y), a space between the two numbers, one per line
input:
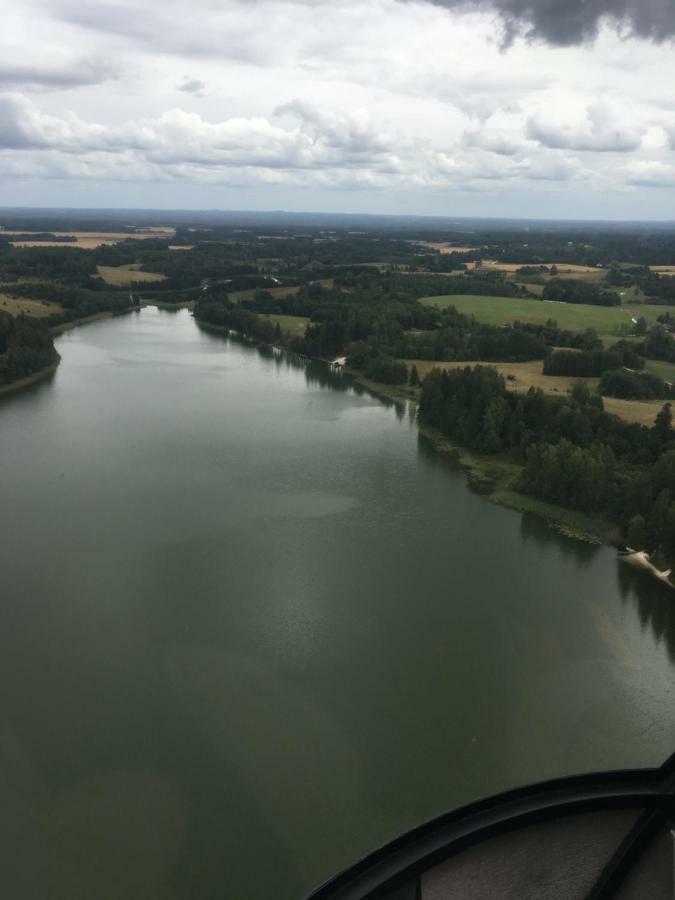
(637, 533)
(663, 423)
(414, 377)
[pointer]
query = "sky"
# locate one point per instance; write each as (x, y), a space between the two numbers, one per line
(506, 108)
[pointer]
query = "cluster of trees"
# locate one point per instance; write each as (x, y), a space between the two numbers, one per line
(629, 385)
(460, 337)
(589, 363)
(570, 290)
(573, 453)
(221, 313)
(658, 344)
(77, 302)
(26, 346)
(553, 336)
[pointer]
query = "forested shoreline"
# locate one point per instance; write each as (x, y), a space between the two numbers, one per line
(26, 348)
(572, 453)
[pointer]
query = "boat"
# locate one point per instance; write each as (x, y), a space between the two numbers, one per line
(641, 559)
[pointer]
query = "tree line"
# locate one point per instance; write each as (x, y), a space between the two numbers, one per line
(26, 347)
(572, 452)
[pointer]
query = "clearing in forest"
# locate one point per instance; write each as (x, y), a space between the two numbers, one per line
(120, 276)
(36, 308)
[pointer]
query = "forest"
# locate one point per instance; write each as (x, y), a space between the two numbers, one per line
(572, 452)
(26, 347)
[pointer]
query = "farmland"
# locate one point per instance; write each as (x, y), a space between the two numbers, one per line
(90, 240)
(520, 377)
(36, 308)
(607, 320)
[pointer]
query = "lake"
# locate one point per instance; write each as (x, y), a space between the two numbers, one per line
(252, 626)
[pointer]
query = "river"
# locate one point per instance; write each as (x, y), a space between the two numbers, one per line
(252, 626)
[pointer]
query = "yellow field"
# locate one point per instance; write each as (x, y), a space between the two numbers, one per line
(36, 308)
(530, 374)
(444, 247)
(124, 275)
(89, 240)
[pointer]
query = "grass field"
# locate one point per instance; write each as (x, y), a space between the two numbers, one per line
(530, 374)
(36, 308)
(663, 370)
(293, 325)
(607, 320)
(249, 294)
(123, 275)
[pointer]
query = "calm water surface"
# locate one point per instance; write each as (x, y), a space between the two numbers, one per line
(251, 627)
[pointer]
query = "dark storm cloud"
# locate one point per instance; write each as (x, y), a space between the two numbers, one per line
(567, 22)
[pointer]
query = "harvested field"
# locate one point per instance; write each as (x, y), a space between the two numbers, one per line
(181, 246)
(125, 275)
(36, 308)
(445, 247)
(563, 268)
(530, 374)
(89, 240)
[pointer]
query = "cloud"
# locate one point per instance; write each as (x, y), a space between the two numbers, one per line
(301, 146)
(567, 22)
(603, 128)
(178, 137)
(192, 86)
(77, 73)
(650, 173)
(496, 141)
(24, 127)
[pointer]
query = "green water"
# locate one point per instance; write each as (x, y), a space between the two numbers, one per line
(252, 627)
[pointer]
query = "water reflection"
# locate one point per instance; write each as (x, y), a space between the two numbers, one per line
(30, 389)
(537, 530)
(655, 603)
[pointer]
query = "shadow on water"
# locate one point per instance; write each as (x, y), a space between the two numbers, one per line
(533, 528)
(655, 603)
(537, 530)
(30, 390)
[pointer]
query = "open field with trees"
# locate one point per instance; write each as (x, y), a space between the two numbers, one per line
(520, 377)
(38, 309)
(82, 240)
(609, 322)
(294, 326)
(123, 276)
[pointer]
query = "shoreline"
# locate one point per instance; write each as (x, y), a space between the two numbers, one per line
(35, 378)
(491, 476)
(494, 476)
